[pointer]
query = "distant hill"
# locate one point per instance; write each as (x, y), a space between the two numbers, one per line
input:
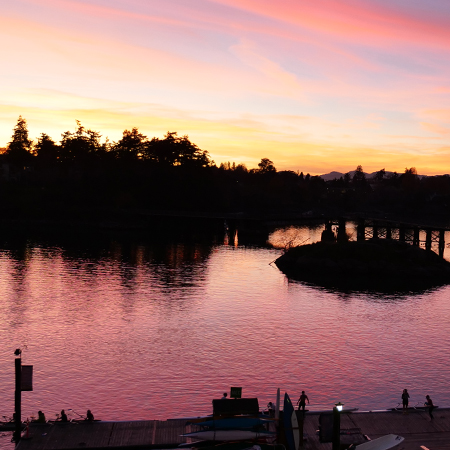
(333, 175)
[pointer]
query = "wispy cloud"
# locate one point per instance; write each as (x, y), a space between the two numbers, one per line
(310, 85)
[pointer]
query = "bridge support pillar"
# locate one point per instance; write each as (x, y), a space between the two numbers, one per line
(401, 233)
(375, 230)
(416, 238)
(342, 232)
(428, 239)
(441, 243)
(388, 233)
(361, 230)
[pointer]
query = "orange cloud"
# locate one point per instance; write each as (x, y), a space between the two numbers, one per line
(442, 115)
(433, 128)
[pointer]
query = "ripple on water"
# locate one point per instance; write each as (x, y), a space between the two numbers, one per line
(163, 330)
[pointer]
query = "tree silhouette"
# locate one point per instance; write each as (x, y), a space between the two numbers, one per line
(359, 177)
(81, 146)
(132, 146)
(46, 150)
(19, 149)
(266, 166)
(176, 151)
(380, 175)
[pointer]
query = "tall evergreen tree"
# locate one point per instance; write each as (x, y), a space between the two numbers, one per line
(19, 149)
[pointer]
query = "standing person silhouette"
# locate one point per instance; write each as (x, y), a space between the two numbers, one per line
(430, 405)
(405, 400)
(302, 402)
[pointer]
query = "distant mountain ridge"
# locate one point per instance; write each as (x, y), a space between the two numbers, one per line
(336, 175)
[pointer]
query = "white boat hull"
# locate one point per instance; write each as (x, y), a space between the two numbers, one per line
(227, 435)
(382, 443)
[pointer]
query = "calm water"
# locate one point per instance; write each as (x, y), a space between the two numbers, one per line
(158, 328)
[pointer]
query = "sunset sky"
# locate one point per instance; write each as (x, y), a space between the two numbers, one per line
(315, 86)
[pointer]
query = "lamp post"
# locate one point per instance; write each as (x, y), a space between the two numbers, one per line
(336, 443)
(18, 396)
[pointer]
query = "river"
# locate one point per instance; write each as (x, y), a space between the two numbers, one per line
(156, 328)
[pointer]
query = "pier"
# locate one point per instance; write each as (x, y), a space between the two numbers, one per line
(429, 237)
(419, 431)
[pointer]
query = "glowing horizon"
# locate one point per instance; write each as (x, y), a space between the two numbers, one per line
(313, 87)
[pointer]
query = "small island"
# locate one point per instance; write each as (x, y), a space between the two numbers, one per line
(378, 264)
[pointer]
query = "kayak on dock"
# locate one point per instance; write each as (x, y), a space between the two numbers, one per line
(229, 435)
(234, 422)
(242, 446)
(382, 443)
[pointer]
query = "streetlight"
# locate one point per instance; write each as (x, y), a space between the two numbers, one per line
(339, 406)
(336, 443)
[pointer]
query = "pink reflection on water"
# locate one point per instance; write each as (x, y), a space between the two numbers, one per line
(159, 332)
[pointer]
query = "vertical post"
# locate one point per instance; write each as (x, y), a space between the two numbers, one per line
(336, 429)
(401, 233)
(388, 232)
(441, 243)
(18, 400)
(361, 230)
(416, 239)
(277, 407)
(342, 232)
(375, 230)
(428, 240)
(301, 418)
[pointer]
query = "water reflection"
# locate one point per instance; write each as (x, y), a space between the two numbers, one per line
(169, 323)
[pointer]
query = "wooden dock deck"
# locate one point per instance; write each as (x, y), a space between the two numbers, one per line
(419, 431)
(104, 435)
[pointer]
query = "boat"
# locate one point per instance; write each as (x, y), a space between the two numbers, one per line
(290, 423)
(229, 435)
(234, 422)
(382, 443)
(243, 446)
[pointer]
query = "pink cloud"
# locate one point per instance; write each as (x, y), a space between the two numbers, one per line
(360, 22)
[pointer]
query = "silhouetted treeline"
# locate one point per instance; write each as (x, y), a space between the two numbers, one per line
(80, 176)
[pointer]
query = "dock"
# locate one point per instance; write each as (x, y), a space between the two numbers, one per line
(419, 431)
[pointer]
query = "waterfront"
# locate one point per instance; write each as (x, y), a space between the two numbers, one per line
(146, 329)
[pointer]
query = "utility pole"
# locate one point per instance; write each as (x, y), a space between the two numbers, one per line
(18, 396)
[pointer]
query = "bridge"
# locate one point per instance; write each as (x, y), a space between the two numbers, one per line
(431, 238)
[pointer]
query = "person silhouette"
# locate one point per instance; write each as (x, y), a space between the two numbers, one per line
(302, 402)
(405, 400)
(430, 405)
